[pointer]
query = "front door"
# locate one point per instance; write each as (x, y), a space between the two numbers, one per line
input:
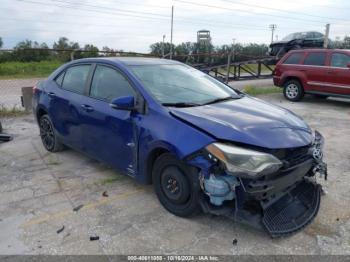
(110, 134)
(339, 74)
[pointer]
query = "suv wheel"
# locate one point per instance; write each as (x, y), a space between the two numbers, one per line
(176, 185)
(293, 90)
(48, 135)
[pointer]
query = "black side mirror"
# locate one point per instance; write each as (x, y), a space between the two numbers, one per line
(348, 65)
(123, 103)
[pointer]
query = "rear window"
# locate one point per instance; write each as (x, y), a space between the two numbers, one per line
(317, 59)
(75, 78)
(293, 59)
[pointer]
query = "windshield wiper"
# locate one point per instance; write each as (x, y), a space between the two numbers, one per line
(221, 100)
(180, 104)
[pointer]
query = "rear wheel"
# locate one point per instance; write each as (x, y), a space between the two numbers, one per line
(293, 90)
(48, 135)
(176, 185)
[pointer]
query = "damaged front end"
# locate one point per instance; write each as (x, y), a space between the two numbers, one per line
(271, 189)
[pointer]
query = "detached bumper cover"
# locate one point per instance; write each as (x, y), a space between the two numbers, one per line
(293, 211)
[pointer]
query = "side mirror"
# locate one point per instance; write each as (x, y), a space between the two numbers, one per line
(123, 103)
(348, 65)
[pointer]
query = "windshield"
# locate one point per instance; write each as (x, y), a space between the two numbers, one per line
(181, 84)
(295, 36)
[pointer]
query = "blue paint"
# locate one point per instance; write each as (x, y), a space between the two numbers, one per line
(126, 139)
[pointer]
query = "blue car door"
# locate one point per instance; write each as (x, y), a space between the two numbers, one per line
(65, 98)
(110, 135)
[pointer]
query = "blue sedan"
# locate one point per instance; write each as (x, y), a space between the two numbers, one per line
(204, 146)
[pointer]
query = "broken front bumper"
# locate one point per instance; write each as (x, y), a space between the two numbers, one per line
(294, 210)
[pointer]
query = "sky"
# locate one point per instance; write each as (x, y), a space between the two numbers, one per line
(135, 24)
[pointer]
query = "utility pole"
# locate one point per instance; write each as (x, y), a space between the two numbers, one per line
(163, 46)
(273, 28)
(171, 34)
(326, 36)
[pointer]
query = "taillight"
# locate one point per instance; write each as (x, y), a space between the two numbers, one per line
(34, 89)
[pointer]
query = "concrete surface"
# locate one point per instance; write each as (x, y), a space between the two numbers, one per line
(10, 91)
(38, 191)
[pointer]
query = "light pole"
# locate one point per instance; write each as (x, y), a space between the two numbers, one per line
(163, 46)
(171, 33)
(273, 28)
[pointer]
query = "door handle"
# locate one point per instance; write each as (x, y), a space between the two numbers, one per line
(87, 108)
(51, 94)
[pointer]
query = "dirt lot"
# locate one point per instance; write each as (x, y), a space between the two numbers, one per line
(39, 190)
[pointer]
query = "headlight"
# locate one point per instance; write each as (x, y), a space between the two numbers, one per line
(244, 162)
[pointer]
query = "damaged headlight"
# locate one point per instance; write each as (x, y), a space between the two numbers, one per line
(244, 162)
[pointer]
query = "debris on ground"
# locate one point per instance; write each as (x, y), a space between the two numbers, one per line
(105, 194)
(234, 241)
(94, 238)
(76, 209)
(60, 230)
(5, 137)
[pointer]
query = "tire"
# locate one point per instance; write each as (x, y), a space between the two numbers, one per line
(176, 185)
(293, 90)
(48, 135)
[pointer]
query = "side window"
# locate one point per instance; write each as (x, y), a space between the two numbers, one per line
(317, 59)
(75, 78)
(293, 59)
(59, 79)
(108, 84)
(340, 60)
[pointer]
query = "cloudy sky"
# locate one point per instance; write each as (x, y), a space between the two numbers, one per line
(132, 25)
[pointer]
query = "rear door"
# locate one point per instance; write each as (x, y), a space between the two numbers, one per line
(65, 103)
(110, 135)
(315, 70)
(339, 74)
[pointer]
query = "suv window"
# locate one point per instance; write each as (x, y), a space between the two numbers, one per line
(340, 60)
(108, 84)
(293, 59)
(317, 59)
(75, 78)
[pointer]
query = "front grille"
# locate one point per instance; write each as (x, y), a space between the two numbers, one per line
(296, 156)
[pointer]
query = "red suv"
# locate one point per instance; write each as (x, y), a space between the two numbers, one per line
(322, 72)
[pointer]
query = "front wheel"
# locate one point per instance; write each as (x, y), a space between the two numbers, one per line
(293, 90)
(48, 135)
(176, 185)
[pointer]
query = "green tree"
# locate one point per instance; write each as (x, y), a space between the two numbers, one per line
(156, 48)
(28, 50)
(63, 44)
(1, 42)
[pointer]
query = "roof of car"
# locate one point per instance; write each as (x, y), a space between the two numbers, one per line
(319, 50)
(133, 60)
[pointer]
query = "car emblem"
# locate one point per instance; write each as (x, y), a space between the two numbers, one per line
(317, 153)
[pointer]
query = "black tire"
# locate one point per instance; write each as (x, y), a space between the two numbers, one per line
(176, 185)
(293, 90)
(48, 135)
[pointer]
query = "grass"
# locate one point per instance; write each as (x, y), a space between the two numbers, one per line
(11, 112)
(17, 70)
(111, 180)
(254, 91)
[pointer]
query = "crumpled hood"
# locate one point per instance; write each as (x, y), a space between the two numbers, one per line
(248, 120)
